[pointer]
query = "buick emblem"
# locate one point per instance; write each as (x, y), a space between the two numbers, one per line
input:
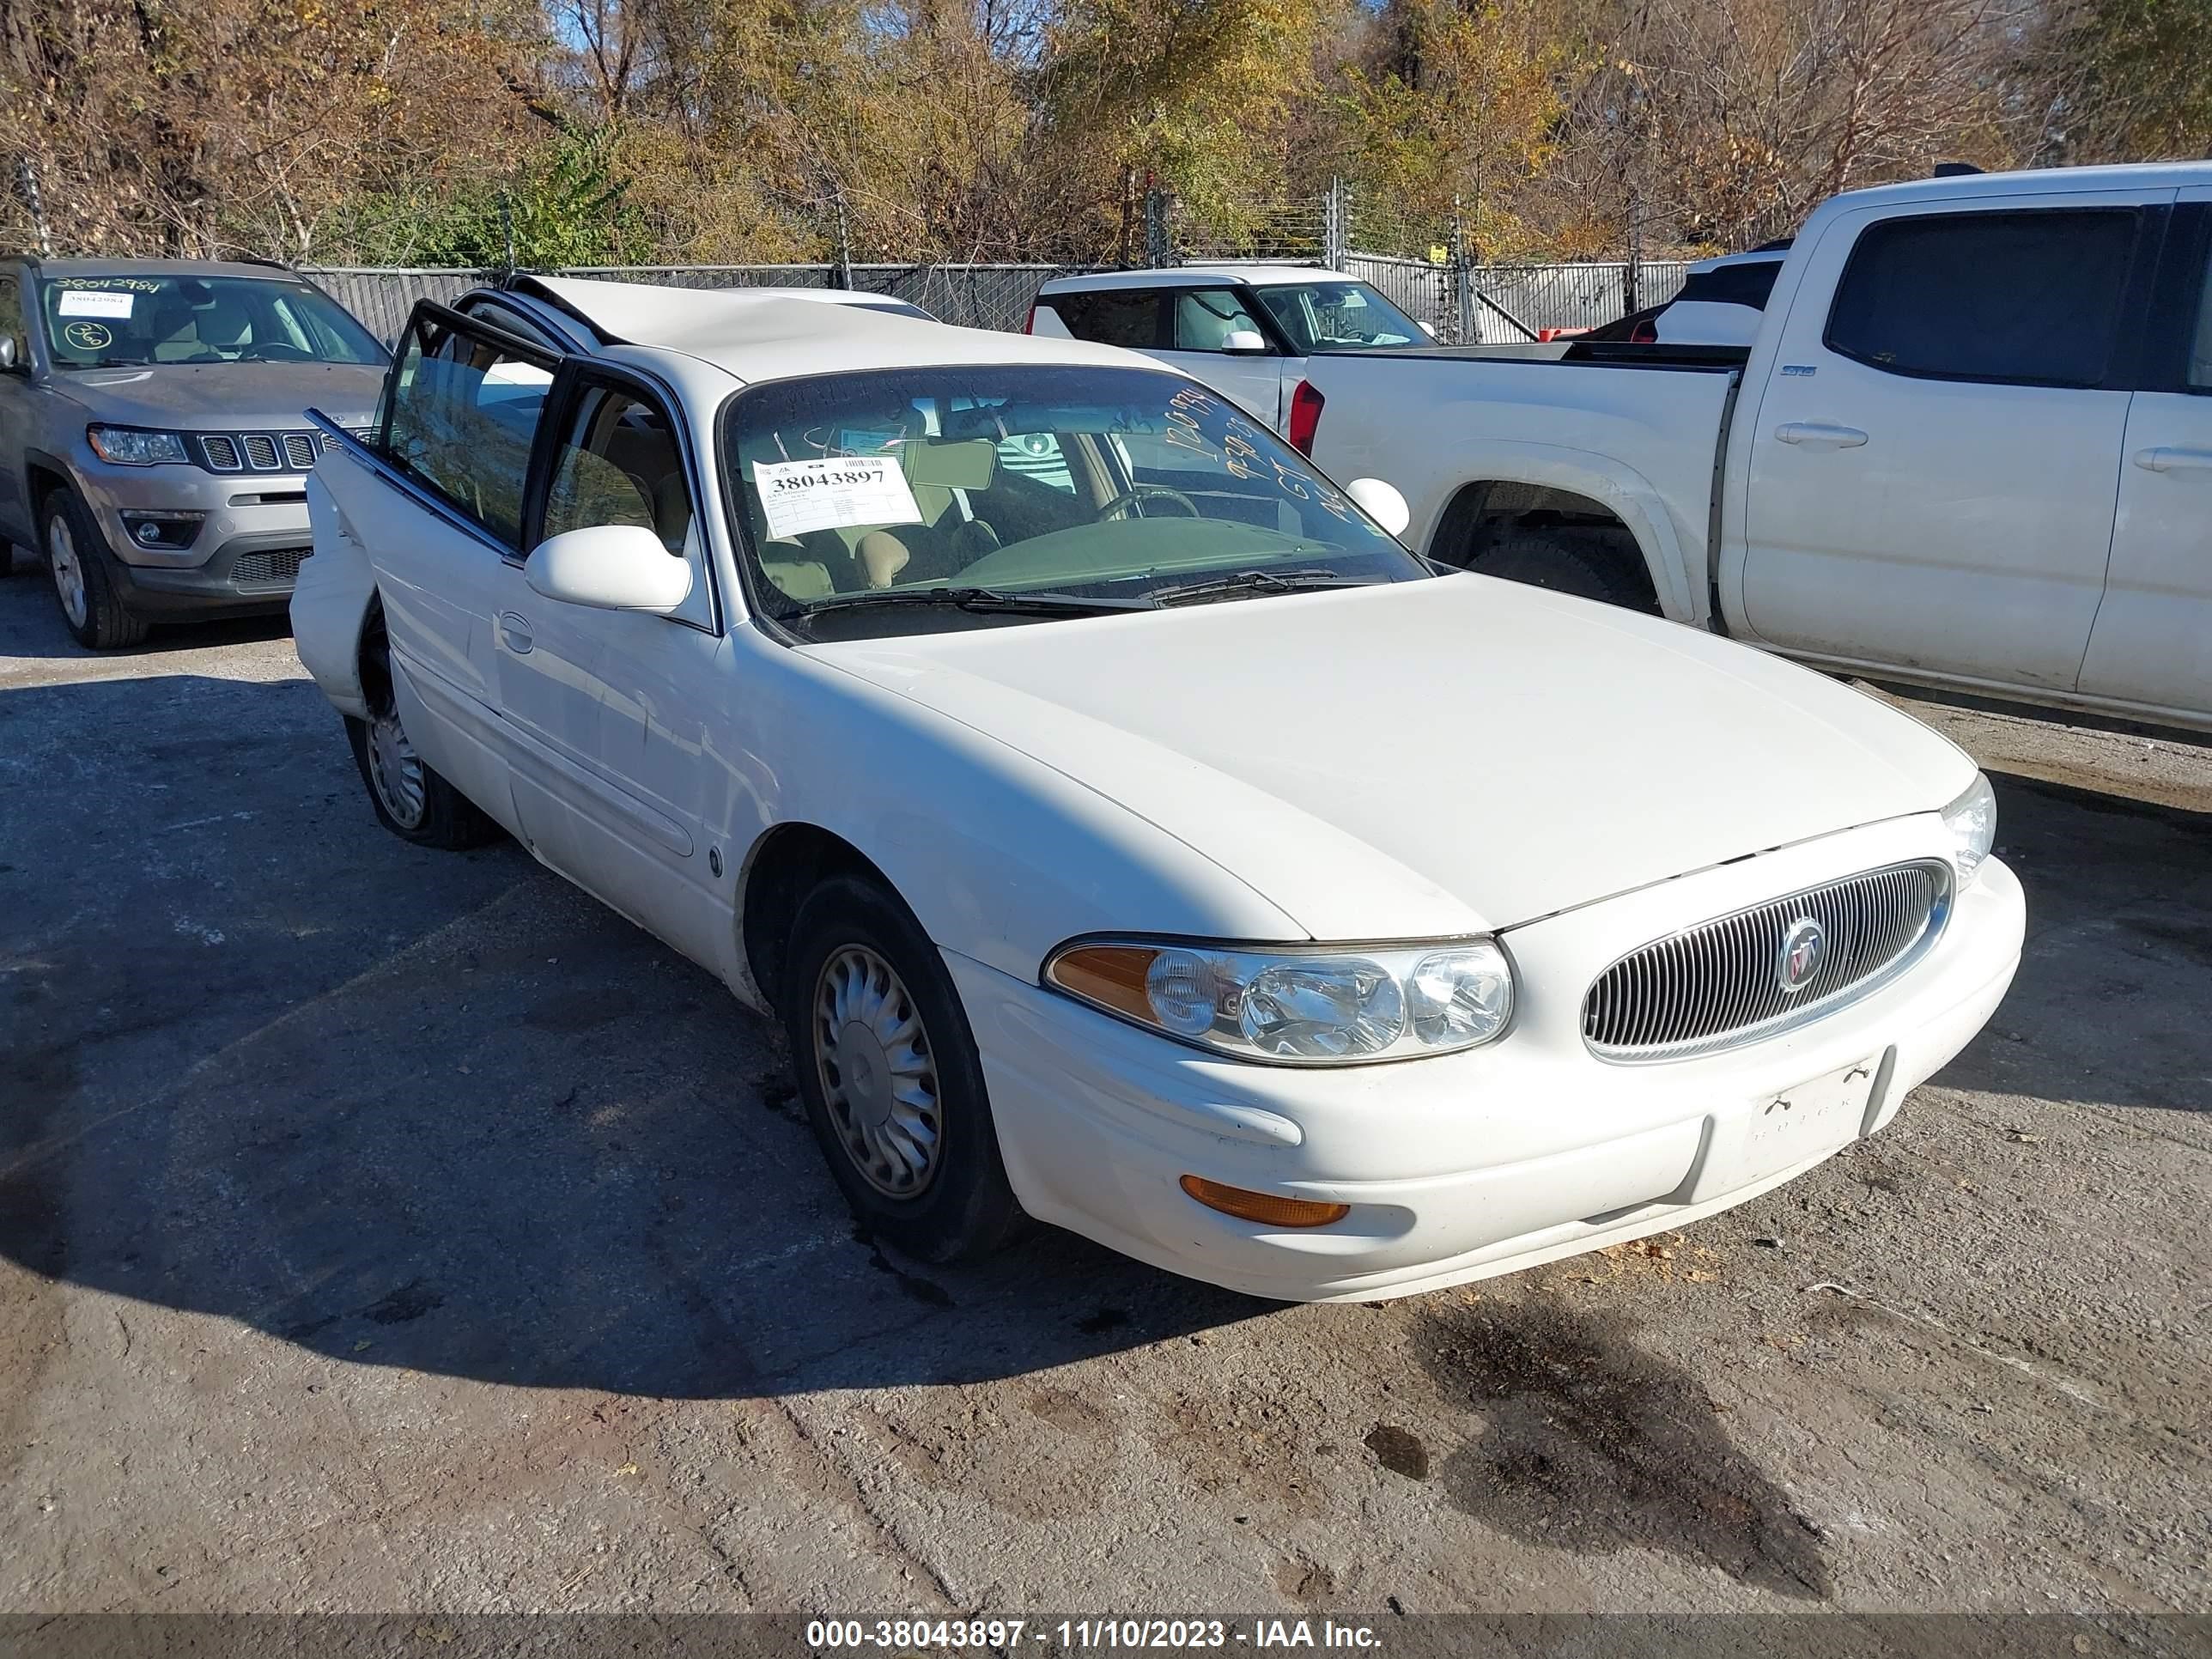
(1804, 948)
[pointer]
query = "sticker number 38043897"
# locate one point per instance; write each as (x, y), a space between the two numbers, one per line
(851, 490)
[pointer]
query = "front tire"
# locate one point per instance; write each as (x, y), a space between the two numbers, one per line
(887, 1067)
(83, 573)
(411, 798)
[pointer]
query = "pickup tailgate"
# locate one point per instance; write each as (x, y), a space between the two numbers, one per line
(1642, 437)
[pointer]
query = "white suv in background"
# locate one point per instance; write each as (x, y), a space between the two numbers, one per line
(1246, 331)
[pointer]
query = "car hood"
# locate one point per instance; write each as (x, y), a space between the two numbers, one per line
(227, 396)
(1431, 758)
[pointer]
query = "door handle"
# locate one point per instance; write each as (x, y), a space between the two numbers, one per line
(515, 630)
(1820, 435)
(2174, 460)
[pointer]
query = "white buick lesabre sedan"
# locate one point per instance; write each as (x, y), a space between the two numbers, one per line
(1124, 828)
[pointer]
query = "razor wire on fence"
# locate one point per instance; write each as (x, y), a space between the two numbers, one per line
(1460, 304)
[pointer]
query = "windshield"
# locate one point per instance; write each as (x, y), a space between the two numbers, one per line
(136, 322)
(1338, 317)
(1115, 485)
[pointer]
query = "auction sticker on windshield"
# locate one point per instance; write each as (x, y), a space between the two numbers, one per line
(85, 302)
(797, 496)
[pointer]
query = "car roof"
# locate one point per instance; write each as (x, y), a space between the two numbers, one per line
(1256, 275)
(2034, 181)
(781, 336)
(62, 270)
(826, 296)
(1757, 257)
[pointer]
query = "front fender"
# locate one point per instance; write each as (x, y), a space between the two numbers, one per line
(332, 599)
(1676, 566)
(1000, 856)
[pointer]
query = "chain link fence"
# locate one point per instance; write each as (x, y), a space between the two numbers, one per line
(973, 296)
(1471, 305)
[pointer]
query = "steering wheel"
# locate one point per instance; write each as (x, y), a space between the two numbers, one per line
(1122, 503)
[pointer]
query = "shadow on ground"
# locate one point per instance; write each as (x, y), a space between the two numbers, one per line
(260, 1060)
(2119, 897)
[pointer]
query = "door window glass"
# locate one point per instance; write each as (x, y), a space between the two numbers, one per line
(2030, 299)
(1105, 317)
(619, 463)
(1205, 318)
(461, 416)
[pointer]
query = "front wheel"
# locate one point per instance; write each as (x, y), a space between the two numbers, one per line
(888, 1069)
(82, 572)
(411, 800)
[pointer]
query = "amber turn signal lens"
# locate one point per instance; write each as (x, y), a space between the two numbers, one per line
(1264, 1208)
(1111, 976)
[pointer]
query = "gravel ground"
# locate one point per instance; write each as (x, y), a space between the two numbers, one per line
(384, 1229)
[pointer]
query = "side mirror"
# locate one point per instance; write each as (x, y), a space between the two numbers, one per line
(8, 363)
(1383, 503)
(1244, 339)
(609, 567)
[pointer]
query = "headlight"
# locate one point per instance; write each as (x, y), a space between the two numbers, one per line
(131, 446)
(1322, 1004)
(1973, 821)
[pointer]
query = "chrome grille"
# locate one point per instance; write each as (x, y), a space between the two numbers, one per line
(280, 564)
(1719, 984)
(259, 452)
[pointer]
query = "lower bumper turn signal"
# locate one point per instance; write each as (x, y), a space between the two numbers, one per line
(1265, 1207)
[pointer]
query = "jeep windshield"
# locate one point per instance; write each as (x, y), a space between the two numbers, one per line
(946, 494)
(146, 321)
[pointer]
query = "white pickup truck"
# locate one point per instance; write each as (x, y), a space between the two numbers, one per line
(1971, 447)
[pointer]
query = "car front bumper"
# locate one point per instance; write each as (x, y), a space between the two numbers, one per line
(1467, 1165)
(252, 534)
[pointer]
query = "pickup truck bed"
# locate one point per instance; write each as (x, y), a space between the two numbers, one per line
(1557, 421)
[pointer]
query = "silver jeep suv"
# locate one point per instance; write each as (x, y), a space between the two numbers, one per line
(153, 447)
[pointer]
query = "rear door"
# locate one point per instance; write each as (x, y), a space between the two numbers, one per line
(444, 531)
(1215, 335)
(2152, 645)
(1932, 471)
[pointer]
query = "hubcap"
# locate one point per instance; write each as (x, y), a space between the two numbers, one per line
(396, 770)
(878, 1075)
(69, 574)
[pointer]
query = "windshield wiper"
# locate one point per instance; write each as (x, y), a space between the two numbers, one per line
(1257, 581)
(981, 599)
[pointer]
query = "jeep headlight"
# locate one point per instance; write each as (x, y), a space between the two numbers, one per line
(133, 446)
(1318, 1005)
(1971, 821)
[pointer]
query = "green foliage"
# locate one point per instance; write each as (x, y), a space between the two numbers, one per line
(2142, 87)
(565, 203)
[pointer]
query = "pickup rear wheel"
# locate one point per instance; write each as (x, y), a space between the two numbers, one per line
(887, 1067)
(81, 570)
(411, 800)
(1584, 566)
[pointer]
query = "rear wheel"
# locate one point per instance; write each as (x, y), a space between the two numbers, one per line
(411, 800)
(1585, 567)
(81, 570)
(888, 1069)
